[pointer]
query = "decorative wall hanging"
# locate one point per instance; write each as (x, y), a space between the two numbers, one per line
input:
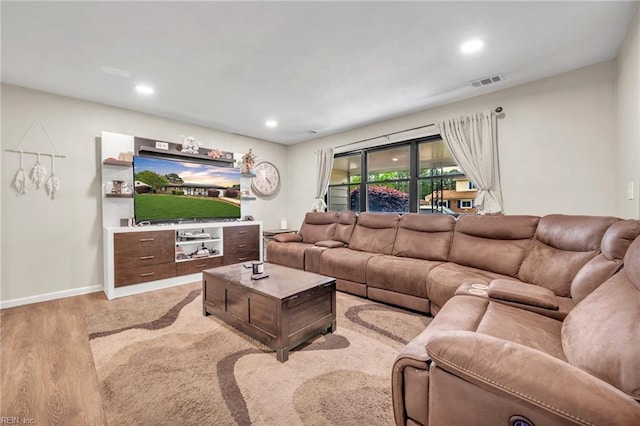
(53, 183)
(21, 182)
(38, 173)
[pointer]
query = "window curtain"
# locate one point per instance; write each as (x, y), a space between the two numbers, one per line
(324, 165)
(473, 143)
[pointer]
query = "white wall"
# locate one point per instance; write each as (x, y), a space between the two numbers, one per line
(54, 246)
(555, 132)
(627, 159)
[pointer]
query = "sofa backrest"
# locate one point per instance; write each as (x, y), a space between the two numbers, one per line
(492, 243)
(562, 246)
(424, 236)
(614, 245)
(346, 223)
(375, 232)
(318, 226)
(601, 334)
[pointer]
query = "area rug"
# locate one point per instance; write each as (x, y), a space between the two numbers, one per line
(163, 363)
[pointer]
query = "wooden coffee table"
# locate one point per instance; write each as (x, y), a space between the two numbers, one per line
(282, 311)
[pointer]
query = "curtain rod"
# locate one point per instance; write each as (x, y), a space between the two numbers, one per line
(498, 110)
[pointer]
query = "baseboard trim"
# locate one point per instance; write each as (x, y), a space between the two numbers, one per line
(4, 304)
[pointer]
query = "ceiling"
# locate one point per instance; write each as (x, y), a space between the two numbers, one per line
(312, 66)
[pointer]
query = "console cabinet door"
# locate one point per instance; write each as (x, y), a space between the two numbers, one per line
(241, 243)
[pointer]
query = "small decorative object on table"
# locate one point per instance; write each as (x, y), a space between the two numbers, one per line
(258, 267)
(214, 153)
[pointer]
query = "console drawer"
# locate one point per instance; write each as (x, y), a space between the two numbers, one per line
(141, 274)
(197, 265)
(135, 249)
(241, 243)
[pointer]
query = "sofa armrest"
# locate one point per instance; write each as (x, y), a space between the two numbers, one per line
(526, 294)
(330, 244)
(517, 371)
(289, 237)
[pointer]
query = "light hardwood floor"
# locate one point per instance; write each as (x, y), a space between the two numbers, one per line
(46, 365)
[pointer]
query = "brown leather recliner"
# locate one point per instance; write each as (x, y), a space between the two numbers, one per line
(482, 362)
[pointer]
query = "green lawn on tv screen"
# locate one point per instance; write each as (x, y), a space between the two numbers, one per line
(160, 206)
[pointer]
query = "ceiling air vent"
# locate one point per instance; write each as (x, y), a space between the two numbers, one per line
(487, 80)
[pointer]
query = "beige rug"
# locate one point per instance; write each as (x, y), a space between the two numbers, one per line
(167, 364)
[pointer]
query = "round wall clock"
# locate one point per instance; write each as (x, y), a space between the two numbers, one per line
(266, 182)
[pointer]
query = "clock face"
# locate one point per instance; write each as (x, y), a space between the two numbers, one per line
(266, 180)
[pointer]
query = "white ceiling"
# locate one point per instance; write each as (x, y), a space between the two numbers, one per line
(321, 66)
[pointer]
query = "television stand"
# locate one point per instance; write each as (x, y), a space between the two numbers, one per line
(151, 257)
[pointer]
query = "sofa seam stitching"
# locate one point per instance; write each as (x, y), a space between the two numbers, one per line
(528, 397)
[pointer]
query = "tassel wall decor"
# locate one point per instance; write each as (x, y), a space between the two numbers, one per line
(53, 183)
(38, 173)
(21, 182)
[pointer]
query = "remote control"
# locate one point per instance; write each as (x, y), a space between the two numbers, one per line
(259, 276)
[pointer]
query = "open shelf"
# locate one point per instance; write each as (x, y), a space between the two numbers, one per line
(196, 241)
(119, 195)
(189, 259)
(167, 153)
(114, 162)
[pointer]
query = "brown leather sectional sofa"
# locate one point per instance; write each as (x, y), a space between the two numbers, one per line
(536, 316)
(419, 261)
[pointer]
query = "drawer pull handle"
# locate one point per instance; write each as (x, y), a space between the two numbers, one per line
(242, 232)
(146, 257)
(242, 245)
(147, 274)
(243, 258)
(142, 240)
(202, 265)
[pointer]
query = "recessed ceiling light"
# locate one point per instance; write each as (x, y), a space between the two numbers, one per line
(471, 46)
(271, 123)
(394, 159)
(145, 90)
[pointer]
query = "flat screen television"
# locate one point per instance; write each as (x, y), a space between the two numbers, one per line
(170, 190)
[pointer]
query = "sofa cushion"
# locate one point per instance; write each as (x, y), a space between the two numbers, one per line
(522, 293)
(424, 236)
(444, 279)
(375, 233)
(318, 226)
(562, 246)
(615, 243)
(601, 334)
(330, 244)
(287, 254)
(399, 274)
(289, 237)
(344, 228)
(492, 243)
(345, 264)
(521, 326)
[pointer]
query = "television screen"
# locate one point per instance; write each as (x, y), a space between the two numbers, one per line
(175, 189)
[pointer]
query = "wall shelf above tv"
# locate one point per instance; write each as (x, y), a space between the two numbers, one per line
(177, 154)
